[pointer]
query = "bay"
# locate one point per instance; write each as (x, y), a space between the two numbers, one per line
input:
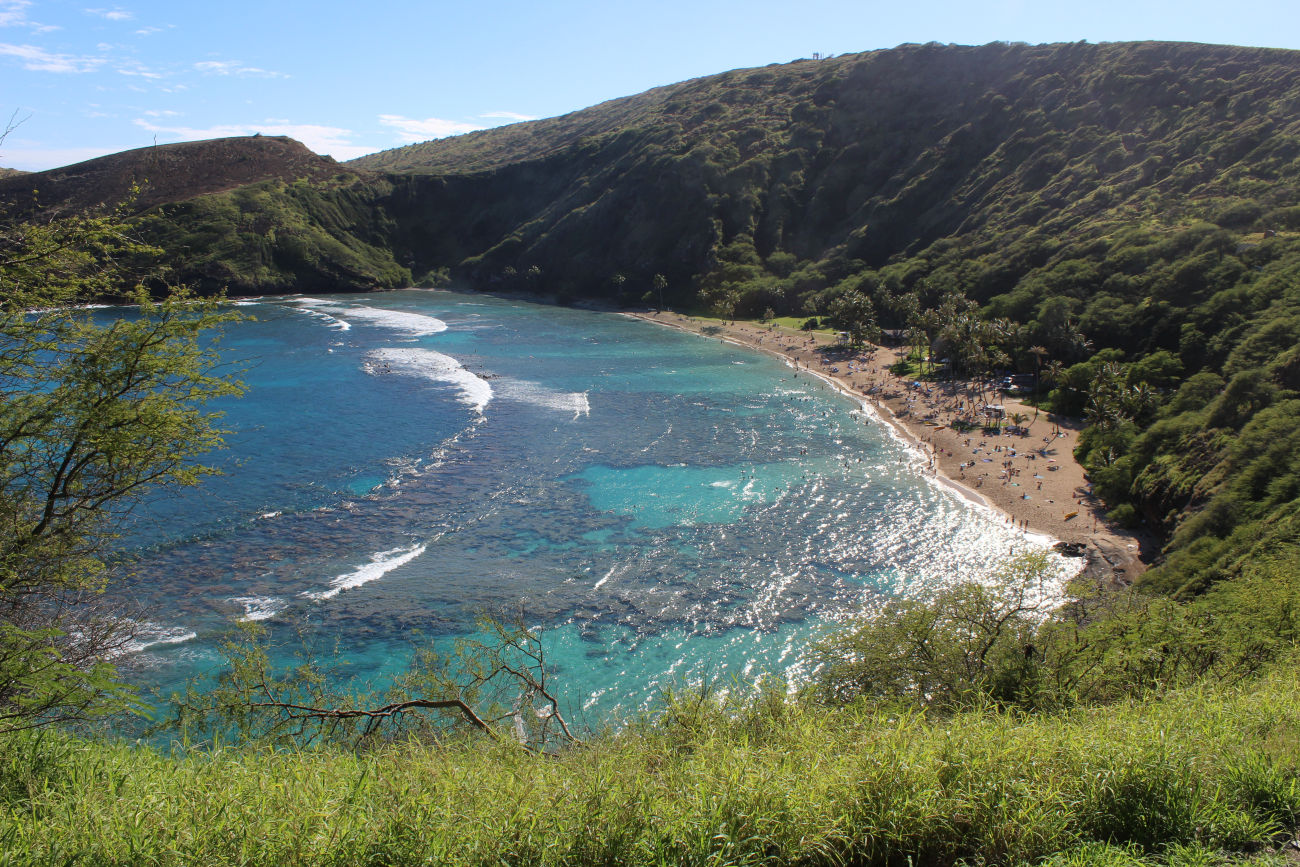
(666, 508)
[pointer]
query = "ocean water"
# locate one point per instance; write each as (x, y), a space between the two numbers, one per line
(667, 508)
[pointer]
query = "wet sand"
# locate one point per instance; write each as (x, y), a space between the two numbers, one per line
(1031, 478)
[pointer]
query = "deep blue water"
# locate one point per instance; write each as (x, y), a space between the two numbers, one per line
(667, 507)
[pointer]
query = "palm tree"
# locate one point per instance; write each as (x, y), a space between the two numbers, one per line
(660, 282)
(1039, 353)
(1141, 400)
(1054, 372)
(1109, 402)
(914, 337)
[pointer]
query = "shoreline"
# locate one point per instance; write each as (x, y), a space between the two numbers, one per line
(1032, 481)
(1053, 499)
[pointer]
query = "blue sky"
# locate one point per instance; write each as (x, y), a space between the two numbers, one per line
(95, 77)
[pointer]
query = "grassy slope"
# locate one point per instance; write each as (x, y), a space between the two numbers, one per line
(867, 157)
(1184, 779)
(281, 236)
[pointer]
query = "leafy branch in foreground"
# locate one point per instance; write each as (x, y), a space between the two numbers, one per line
(97, 413)
(967, 643)
(997, 643)
(494, 683)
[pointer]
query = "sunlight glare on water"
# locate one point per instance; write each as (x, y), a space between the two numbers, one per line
(667, 508)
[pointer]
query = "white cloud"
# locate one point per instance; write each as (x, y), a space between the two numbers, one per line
(109, 57)
(137, 69)
(188, 133)
(508, 115)
(13, 13)
(40, 60)
(322, 139)
(331, 140)
(412, 130)
(234, 67)
(117, 13)
(32, 159)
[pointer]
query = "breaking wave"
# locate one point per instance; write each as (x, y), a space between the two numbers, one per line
(310, 307)
(149, 634)
(259, 607)
(475, 391)
(535, 394)
(414, 324)
(381, 563)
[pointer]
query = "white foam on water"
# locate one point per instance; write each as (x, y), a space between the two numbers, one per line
(381, 563)
(259, 607)
(537, 394)
(414, 324)
(311, 306)
(608, 575)
(427, 364)
(149, 634)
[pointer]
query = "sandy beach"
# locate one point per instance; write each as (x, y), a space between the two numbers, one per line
(1031, 479)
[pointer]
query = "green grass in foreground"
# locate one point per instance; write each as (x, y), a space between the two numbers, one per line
(1200, 777)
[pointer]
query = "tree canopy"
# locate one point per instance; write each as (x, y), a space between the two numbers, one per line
(97, 412)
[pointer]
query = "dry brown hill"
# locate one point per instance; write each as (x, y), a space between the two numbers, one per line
(165, 173)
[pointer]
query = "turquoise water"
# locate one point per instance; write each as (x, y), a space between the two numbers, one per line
(667, 507)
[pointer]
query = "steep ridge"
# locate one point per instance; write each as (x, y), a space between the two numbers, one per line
(283, 235)
(493, 148)
(861, 158)
(164, 173)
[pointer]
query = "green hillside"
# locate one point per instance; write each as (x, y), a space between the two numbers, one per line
(867, 159)
(1196, 780)
(1132, 205)
(1121, 220)
(764, 187)
(1129, 212)
(282, 235)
